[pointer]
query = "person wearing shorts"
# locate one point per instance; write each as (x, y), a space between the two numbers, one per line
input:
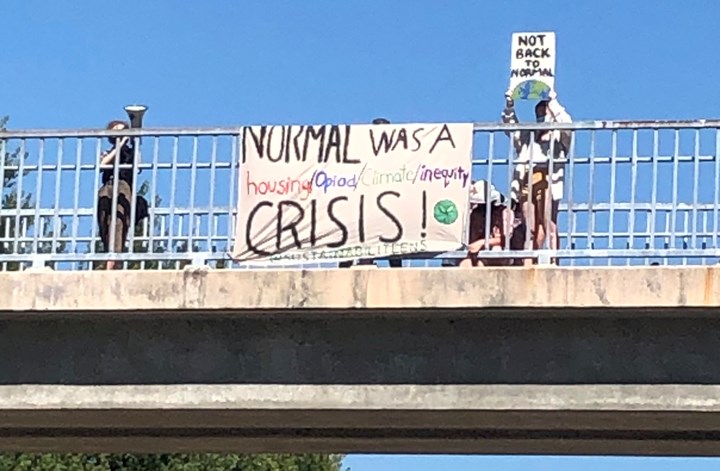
(538, 192)
(122, 152)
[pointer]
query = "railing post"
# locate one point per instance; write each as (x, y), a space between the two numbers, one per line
(39, 263)
(544, 259)
(198, 259)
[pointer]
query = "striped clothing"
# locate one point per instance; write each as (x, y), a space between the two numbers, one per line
(538, 151)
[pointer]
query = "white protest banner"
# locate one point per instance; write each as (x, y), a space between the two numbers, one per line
(331, 193)
(532, 65)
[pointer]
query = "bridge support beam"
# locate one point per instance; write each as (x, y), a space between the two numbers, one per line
(628, 420)
(551, 360)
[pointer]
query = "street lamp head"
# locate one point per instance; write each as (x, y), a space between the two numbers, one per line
(135, 113)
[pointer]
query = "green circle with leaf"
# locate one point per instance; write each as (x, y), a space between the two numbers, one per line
(445, 212)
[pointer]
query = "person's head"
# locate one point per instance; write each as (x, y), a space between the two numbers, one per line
(380, 121)
(116, 124)
(541, 111)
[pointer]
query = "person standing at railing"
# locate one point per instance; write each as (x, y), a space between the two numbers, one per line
(543, 151)
(122, 152)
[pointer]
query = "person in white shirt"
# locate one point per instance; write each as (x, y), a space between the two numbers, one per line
(547, 151)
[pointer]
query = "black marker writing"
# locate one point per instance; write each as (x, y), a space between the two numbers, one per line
(384, 142)
(299, 143)
(290, 217)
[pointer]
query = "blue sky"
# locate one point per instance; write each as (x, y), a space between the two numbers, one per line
(75, 63)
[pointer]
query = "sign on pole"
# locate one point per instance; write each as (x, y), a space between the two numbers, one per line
(331, 193)
(532, 65)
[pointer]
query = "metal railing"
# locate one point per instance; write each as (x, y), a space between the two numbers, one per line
(635, 193)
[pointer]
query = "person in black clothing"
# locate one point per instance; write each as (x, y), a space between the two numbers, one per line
(122, 146)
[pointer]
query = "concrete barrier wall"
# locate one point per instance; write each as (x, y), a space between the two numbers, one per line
(435, 288)
(547, 360)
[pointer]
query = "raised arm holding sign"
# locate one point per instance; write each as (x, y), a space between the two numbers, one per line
(539, 176)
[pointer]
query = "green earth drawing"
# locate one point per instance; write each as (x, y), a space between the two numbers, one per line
(531, 90)
(445, 212)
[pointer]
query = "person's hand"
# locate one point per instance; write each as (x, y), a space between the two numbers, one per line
(476, 246)
(508, 222)
(509, 102)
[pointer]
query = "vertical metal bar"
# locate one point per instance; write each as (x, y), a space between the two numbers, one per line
(24, 230)
(703, 242)
(488, 186)
(153, 195)
(143, 236)
(56, 222)
(3, 157)
(653, 197)
(134, 187)
(232, 206)
(6, 237)
(466, 218)
(196, 231)
(178, 237)
(647, 245)
(163, 233)
(193, 178)
(19, 198)
(716, 194)
(180, 223)
(76, 201)
(696, 184)
(215, 229)
(38, 195)
(685, 217)
(42, 245)
(667, 238)
(530, 228)
(571, 212)
(115, 191)
(673, 209)
(173, 186)
(211, 210)
(96, 188)
(547, 202)
(591, 194)
(613, 171)
(633, 190)
(510, 173)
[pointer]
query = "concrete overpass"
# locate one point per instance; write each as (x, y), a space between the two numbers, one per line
(541, 360)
